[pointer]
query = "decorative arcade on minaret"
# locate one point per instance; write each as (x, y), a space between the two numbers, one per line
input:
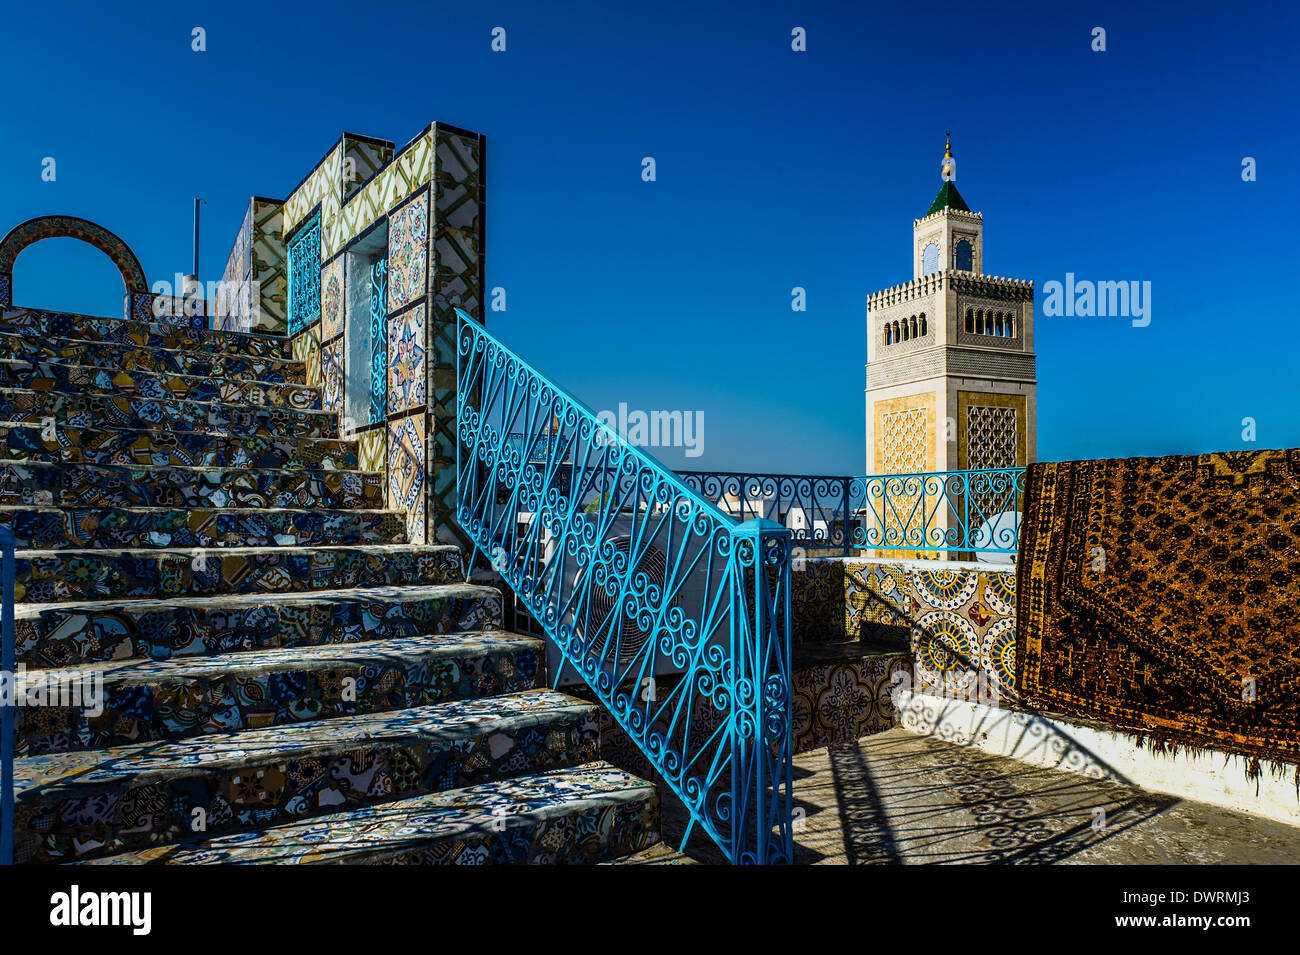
(950, 354)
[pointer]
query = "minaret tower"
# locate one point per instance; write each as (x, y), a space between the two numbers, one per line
(950, 356)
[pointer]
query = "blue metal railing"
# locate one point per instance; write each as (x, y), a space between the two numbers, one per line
(976, 512)
(676, 615)
(8, 666)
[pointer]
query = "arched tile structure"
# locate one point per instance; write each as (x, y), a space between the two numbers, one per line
(71, 227)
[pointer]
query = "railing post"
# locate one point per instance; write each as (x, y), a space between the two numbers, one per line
(761, 767)
(848, 522)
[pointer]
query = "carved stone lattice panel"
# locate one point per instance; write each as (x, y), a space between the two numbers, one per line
(990, 437)
(903, 441)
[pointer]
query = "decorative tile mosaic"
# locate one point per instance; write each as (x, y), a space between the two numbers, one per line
(157, 629)
(153, 360)
(306, 350)
(331, 299)
(841, 702)
(962, 622)
(166, 413)
(178, 698)
(332, 374)
(408, 172)
(372, 450)
(406, 472)
(148, 793)
(54, 528)
(408, 252)
(406, 365)
(45, 577)
(180, 449)
(41, 326)
(588, 814)
(457, 277)
(106, 487)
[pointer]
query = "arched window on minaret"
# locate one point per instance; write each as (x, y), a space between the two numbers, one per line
(970, 320)
(997, 325)
(923, 324)
(965, 257)
(897, 335)
(913, 326)
(886, 333)
(979, 322)
(1011, 325)
(930, 259)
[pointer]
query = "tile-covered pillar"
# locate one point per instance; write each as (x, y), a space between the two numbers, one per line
(408, 297)
(455, 279)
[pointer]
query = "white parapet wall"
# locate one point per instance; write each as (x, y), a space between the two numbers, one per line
(1207, 776)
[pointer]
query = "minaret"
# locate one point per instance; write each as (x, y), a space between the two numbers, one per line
(950, 359)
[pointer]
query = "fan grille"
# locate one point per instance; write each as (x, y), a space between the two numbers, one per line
(633, 639)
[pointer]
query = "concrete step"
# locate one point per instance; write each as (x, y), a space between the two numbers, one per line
(67, 326)
(586, 814)
(67, 445)
(60, 575)
(155, 360)
(105, 412)
(76, 632)
(134, 701)
(53, 528)
(115, 486)
(73, 806)
(90, 380)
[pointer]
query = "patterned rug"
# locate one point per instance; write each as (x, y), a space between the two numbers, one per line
(1162, 595)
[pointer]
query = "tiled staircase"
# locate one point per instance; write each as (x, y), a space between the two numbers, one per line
(284, 677)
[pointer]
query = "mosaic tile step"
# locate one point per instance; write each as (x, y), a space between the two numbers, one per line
(65, 325)
(108, 412)
(197, 364)
(87, 379)
(52, 528)
(587, 814)
(135, 701)
(67, 445)
(72, 806)
(45, 576)
(72, 633)
(37, 484)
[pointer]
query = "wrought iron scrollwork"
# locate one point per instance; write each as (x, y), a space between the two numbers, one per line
(676, 614)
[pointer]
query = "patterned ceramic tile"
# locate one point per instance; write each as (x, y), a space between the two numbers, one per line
(52, 485)
(332, 373)
(153, 360)
(408, 252)
(406, 471)
(157, 629)
(372, 450)
(189, 696)
(331, 299)
(147, 793)
(406, 365)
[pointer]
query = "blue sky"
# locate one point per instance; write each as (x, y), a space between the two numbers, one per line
(775, 169)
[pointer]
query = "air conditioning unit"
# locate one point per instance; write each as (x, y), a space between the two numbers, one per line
(632, 640)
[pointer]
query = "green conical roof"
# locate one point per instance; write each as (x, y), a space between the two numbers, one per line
(948, 198)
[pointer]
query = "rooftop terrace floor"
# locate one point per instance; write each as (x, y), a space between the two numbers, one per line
(900, 798)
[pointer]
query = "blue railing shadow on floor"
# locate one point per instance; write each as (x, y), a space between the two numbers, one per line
(634, 576)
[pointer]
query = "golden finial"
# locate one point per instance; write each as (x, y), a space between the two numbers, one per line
(948, 170)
